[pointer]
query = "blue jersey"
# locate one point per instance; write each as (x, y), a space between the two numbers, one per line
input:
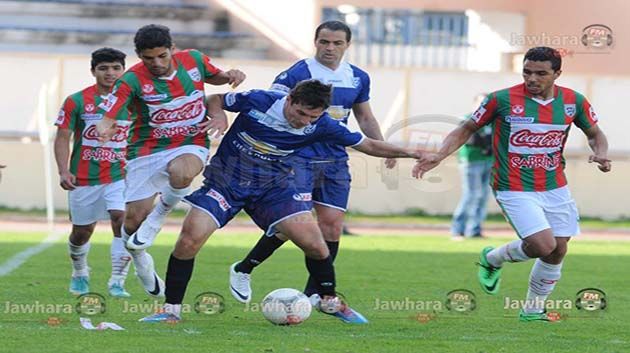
(259, 143)
(351, 85)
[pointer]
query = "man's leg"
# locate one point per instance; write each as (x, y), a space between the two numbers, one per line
(135, 213)
(120, 257)
(477, 189)
(181, 172)
(460, 215)
(197, 228)
(78, 248)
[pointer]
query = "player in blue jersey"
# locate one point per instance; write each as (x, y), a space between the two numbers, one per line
(250, 171)
(321, 168)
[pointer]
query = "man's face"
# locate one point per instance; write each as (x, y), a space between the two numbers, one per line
(299, 115)
(539, 76)
(157, 60)
(330, 46)
(107, 73)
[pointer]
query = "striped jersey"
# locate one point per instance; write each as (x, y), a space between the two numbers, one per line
(91, 162)
(169, 108)
(529, 135)
(351, 86)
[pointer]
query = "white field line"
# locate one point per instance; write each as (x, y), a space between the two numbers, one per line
(18, 259)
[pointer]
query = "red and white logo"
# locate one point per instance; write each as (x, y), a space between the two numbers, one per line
(61, 116)
(518, 109)
(544, 161)
(89, 108)
(147, 88)
(219, 199)
(121, 134)
(528, 138)
(187, 111)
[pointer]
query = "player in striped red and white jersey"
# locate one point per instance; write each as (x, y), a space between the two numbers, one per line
(94, 173)
(531, 122)
(168, 142)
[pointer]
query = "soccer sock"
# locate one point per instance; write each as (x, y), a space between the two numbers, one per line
(323, 273)
(510, 252)
(177, 277)
(542, 281)
(78, 256)
(260, 252)
(121, 260)
(311, 285)
(168, 199)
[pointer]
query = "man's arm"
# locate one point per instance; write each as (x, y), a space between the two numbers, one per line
(369, 125)
(62, 155)
(232, 77)
(378, 148)
(218, 122)
(598, 143)
(452, 143)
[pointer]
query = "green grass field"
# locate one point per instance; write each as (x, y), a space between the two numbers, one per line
(372, 271)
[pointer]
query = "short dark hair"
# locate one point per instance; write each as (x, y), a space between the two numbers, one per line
(152, 36)
(545, 54)
(107, 55)
(312, 94)
(334, 26)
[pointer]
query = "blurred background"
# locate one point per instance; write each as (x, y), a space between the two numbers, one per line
(427, 60)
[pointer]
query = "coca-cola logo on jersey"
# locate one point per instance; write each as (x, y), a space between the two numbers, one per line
(187, 111)
(528, 138)
(121, 134)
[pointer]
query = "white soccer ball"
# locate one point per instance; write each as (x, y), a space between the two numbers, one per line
(286, 306)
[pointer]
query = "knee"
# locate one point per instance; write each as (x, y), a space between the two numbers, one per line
(179, 176)
(133, 218)
(187, 247)
(542, 249)
(331, 228)
(81, 234)
(316, 250)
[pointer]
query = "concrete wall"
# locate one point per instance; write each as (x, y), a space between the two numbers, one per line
(414, 107)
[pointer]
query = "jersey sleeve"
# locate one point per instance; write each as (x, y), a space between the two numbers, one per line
(237, 101)
(116, 104)
(364, 93)
(585, 116)
(204, 64)
(486, 112)
(284, 82)
(66, 119)
(337, 133)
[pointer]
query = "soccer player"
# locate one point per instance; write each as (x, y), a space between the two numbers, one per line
(250, 171)
(530, 125)
(322, 168)
(168, 143)
(94, 176)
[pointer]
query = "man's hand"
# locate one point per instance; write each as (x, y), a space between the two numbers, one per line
(604, 164)
(390, 163)
(106, 129)
(67, 180)
(214, 126)
(235, 77)
(425, 163)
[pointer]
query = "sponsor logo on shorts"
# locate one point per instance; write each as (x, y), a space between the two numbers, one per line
(219, 199)
(305, 196)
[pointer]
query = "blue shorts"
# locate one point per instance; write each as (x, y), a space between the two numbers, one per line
(267, 206)
(329, 182)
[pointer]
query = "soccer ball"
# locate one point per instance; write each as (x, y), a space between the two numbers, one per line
(286, 306)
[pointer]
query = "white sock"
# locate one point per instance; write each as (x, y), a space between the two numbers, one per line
(78, 256)
(175, 309)
(510, 252)
(121, 259)
(542, 281)
(168, 199)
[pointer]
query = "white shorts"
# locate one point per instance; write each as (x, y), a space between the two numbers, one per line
(530, 212)
(89, 204)
(146, 176)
